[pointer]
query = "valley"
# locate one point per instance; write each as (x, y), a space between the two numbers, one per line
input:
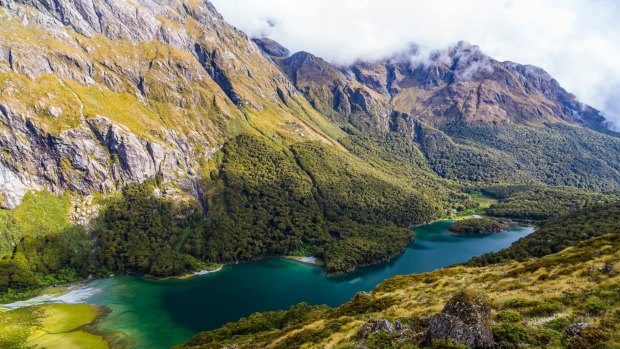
(174, 181)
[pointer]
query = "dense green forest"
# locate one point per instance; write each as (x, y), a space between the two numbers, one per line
(468, 162)
(559, 233)
(347, 187)
(474, 226)
(40, 247)
(540, 202)
(557, 154)
(39, 261)
(146, 234)
(266, 200)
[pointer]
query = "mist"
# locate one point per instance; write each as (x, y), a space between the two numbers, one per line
(577, 42)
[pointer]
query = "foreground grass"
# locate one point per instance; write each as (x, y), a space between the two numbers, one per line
(532, 303)
(53, 326)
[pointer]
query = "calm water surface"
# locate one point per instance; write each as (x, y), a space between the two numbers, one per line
(156, 314)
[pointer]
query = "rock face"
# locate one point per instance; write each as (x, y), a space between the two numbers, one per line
(575, 329)
(97, 94)
(272, 48)
(373, 326)
(460, 83)
(465, 319)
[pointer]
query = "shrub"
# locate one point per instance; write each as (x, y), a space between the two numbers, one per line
(508, 316)
(507, 335)
(590, 337)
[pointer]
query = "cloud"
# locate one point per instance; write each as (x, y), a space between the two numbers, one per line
(577, 42)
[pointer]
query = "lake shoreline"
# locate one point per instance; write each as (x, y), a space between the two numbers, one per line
(225, 297)
(318, 262)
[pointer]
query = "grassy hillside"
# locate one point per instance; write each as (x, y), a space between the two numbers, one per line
(532, 303)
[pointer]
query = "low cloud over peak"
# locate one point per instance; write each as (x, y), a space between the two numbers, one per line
(577, 42)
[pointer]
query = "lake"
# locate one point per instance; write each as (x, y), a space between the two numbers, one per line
(157, 314)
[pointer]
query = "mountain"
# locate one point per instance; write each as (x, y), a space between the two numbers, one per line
(153, 137)
(458, 84)
(98, 94)
(460, 103)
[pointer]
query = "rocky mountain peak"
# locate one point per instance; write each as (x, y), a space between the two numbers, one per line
(460, 83)
(271, 47)
(138, 21)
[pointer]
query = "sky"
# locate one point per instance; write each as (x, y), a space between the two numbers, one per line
(576, 41)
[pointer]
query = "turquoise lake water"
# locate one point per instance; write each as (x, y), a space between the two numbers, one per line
(157, 314)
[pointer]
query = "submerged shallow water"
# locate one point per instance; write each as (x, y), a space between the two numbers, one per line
(157, 314)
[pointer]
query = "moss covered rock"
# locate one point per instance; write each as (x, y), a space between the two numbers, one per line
(376, 325)
(465, 319)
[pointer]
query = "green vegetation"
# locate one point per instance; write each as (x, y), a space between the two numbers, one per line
(528, 310)
(266, 200)
(467, 162)
(53, 326)
(142, 233)
(45, 260)
(556, 154)
(477, 226)
(261, 204)
(17, 325)
(347, 187)
(40, 213)
(40, 247)
(559, 233)
(262, 322)
(352, 245)
(539, 202)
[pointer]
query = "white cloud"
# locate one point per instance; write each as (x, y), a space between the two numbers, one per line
(577, 42)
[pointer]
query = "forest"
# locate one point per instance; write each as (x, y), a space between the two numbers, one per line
(541, 202)
(558, 233)
(473, 226)
(555, 155)
(143, 233)
(269, 201)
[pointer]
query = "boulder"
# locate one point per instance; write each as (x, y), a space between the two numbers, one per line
(376, 325)
(465, 319)
(575, 329)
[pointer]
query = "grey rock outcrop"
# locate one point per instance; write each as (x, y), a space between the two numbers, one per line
(271, 47)
(465, 319)
(373, 326)
(575, 329)
(97, 155)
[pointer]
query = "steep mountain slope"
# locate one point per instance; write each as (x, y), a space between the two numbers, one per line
(99, 94)
(467, 112)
